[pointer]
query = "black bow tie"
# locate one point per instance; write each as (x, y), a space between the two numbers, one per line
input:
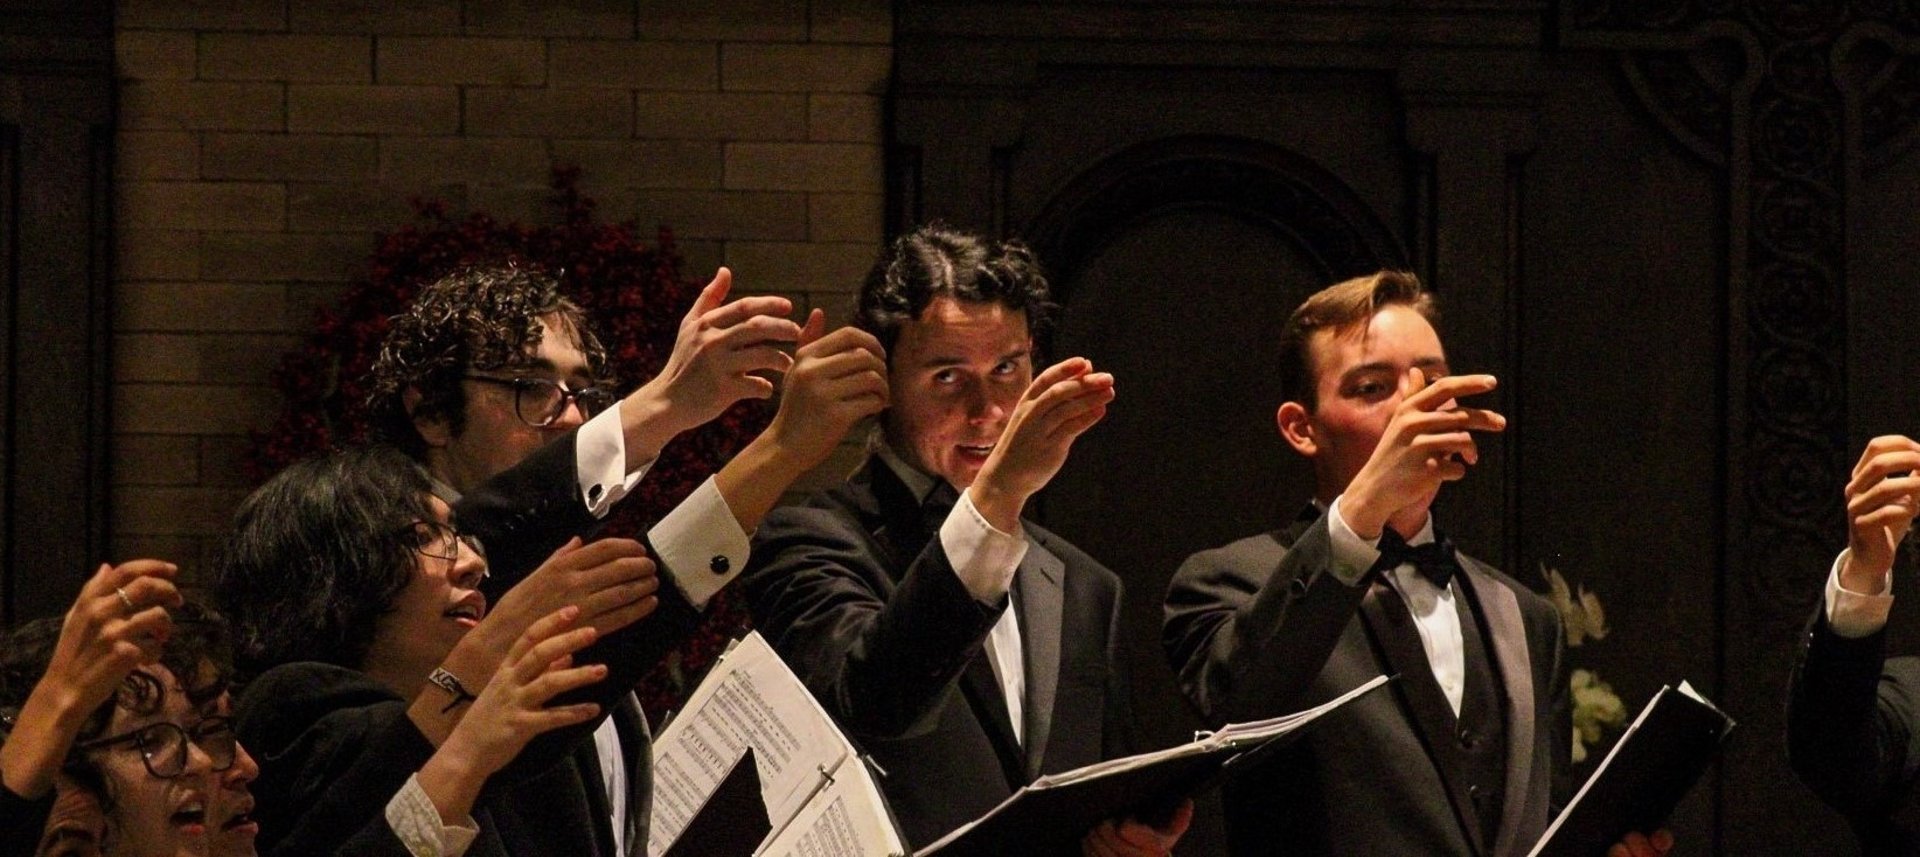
(1435, 560)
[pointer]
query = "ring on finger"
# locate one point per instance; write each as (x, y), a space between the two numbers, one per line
(125, 600)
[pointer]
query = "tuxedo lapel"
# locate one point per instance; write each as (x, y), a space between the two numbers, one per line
(989, 703)
(1397, 640)
(1501, 612)
(899, 529)
(1039, 596)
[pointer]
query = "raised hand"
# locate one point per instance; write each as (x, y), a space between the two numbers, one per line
(119, 622)
(511, 710)
(1427, 442)
(837, 380)
(719, 347)
(1059, 406)
(1883, 496)
(612, 581)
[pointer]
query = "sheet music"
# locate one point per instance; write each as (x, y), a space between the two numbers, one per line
(749, 699)
(848, 818)
(1247, 733)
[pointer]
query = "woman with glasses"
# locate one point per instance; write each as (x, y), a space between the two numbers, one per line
(364, 637)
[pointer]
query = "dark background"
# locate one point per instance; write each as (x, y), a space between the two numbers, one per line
(1681, 233)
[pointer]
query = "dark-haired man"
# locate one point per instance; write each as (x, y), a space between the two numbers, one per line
(1462, 755)
(965, 648)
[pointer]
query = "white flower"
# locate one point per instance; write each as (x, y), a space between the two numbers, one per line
(1581, 615)
(1596, 711)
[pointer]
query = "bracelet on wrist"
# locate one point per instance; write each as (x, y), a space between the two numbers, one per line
(451, 684)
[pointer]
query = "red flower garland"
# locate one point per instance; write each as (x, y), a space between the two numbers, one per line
(634, 294)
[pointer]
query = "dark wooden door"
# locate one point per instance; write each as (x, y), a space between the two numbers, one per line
(56, 136)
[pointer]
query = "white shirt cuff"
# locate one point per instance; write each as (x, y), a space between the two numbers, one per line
(701, 544)
(1855, 614)
(983, 557)
(1352, 555)
(600, 459)
(416, 823)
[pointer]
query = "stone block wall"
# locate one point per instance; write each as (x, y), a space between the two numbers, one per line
(263, 143)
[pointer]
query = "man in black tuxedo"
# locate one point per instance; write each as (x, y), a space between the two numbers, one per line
(963, 647)
(1460, 755)
(1853, 722)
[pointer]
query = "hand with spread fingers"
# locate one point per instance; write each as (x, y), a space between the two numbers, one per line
(1059, 406)
(1130, 837)
(720, 347)
(511, 710)
(612, 581)
(1883, 495)
(119, 622)
(1427, 442)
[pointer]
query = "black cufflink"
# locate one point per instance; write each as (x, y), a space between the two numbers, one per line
(593, 494)
(719, 565)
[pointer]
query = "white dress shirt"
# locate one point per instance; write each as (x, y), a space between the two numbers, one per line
(416, 823)
(985, 560)
(1433, 608)
(1857, 614)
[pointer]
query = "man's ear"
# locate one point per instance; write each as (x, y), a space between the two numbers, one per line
(433, 430)
(1296, 427)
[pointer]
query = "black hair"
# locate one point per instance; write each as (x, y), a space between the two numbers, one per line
(936, 260)
(318, 554)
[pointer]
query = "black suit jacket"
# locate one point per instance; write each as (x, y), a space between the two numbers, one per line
(1262, 627)
(335, 745)
(334, 748)
(1853, 734)
(859, 598)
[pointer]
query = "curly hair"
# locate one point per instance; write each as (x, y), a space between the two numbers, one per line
(317, 555)
(476, 319)
(936, 260)
(197, 653)
(1339, 307)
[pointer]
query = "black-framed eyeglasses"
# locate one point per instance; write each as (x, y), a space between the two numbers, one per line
(442, 540)
(163, 745)
(540, 401)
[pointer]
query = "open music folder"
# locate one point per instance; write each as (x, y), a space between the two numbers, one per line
(752, 716)
(1654, 765)
(1055, 811)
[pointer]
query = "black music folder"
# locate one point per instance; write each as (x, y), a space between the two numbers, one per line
(1053, 813)
(1643, 778)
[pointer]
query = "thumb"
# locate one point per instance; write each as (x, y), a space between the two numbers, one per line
(714, 294)
(1412, 382)
(816, 326)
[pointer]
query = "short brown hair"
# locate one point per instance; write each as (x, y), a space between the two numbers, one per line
(1338, 307)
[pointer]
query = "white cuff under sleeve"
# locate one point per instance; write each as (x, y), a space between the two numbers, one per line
(1352, 555)
(701, 544)
(983, 557)
(1857, 614)
(416, 823)
(600, 459)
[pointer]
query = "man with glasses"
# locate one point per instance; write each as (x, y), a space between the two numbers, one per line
(496, 384)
